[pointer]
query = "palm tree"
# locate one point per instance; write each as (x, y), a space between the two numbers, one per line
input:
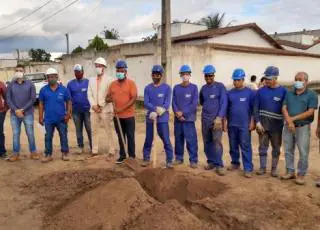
(215, 21)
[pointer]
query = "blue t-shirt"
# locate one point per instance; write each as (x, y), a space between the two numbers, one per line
(240, 107)
(54, 103)
(185, 99)
(213, 99)
(297, 104)
(78, 92)
(157, 97)
(268, 107)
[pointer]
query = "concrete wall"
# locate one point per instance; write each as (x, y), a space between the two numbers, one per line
(314, 49)
(246, 37)
(300, 38)
(4, 63)
(178, 29)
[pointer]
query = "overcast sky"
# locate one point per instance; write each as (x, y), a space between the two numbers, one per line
(133, 18)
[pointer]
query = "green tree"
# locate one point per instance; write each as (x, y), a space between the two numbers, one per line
(186, 20)
(215, 21)
(39, 55)
(78, 49)
(110, 34)
(154, 36)
(97, 44)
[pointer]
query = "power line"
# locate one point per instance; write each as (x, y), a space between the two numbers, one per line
(42, 21)
(26, 16)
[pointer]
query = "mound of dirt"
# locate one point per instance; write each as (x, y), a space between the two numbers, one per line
(168, 216)
(54, 189)
(106, 207)
(169, 184)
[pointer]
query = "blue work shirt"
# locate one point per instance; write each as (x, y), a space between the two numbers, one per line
(297, 104)
(157, 97)
(185, 99)
(54, 103)
(268, 107)
(214, 101)
(78, 93)
(240, 107)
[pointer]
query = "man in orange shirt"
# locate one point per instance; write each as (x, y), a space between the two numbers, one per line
(123, 94)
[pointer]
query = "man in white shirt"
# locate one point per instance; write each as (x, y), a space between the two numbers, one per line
(101, 112)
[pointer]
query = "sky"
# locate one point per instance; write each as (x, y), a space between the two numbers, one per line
(133, 18)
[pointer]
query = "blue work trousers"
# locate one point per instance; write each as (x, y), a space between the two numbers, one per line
(240, 138)
(186, 132)
(62, 128)
(163, 132)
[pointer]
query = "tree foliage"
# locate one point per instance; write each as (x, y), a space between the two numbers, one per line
(97, 44)
(110, 33)
(39, 55)
(76, 50)
(214, 21)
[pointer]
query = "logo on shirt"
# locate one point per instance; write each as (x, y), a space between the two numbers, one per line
(60, 96)
(276, 98)
(83, 89)
(188, 95)
(212, 96)
(242, 99)
(160, 95)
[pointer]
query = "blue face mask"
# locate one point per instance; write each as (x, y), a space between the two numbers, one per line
(120, 76)
(298, 85)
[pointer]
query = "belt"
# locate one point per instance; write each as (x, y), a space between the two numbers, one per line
(297, 126)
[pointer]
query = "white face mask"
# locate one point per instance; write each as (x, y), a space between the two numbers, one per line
(99, 71)
(18, 75)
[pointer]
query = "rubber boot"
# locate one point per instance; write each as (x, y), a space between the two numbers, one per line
(263, 162)
(274, 172)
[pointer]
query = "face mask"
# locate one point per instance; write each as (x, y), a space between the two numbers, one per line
(156, 80)
(18, 75)
(185, 78)
(298, 85)
(120, 76)
(52, 81)
(99, 71)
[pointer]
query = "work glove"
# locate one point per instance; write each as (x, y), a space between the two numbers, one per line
(153, 116)
(160, 111)
(259, 127)
(217, 123)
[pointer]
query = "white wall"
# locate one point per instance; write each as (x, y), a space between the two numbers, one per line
(246, 37)
(178, 29)
(299, 38)
(293, 49)
(314, 49)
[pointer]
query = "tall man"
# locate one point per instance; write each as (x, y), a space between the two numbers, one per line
(21, 95)
(318, 135)
(240, 123)
(298, 110)
(55, 103)
(157, 98)
(3, 112)
(101, 111)
(184, 104)
(213, 98)
(80, 105)
(269, 119)
(123, 94)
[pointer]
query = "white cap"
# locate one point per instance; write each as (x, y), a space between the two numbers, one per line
(51, 71)
(101, 60)
(77, 67)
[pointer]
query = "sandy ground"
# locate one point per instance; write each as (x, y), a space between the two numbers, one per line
(97, 194)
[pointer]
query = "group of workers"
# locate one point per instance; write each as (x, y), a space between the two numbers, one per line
(273, 111)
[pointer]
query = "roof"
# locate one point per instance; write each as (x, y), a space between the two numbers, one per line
(211, 33)
(307, 32)
(260, 50)
(297, 45)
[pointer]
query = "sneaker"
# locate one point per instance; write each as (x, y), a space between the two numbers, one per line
(169, 165)
(261, 172)
(34, 156)
(318, 183)
(80, 150)
(209, 167)
(193, 165)
(4, 156)
(221, 171)
(14, 158)
(65, 157)
(233, 167)
(248, 174)
(46, 159)
(145, 163)
(300, 180)
(120, 160)
(274, 173)
(288, 176)
(178, 162)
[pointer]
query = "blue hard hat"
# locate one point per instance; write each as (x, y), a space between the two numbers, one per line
(209, 69)
(157, 69)
(121, 64)
(238, 74)
(185, 69)
(271, 71)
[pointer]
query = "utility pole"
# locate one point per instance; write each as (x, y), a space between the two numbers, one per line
(18, 55)
(166, 41)
(67, 37)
